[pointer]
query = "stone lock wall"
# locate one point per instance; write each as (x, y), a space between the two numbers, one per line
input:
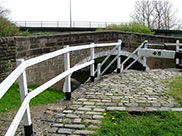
(13, 48)
(7, 56)
(133, 40)
(28, 47)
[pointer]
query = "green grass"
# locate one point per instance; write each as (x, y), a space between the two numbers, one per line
(176, 88)
(11, 99)
(141, 124)
(27, 33)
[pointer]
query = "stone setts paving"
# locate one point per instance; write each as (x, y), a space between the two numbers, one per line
(129, 91)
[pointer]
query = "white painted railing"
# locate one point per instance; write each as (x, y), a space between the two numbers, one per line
(178, 46)
(144, 47)
(20, 72)
(99, 65)
(131, 55)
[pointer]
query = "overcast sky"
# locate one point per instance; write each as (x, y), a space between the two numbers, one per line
(82, 10)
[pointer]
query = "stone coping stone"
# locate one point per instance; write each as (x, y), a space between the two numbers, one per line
(143, 109)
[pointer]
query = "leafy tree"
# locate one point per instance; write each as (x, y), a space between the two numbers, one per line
(6, 28)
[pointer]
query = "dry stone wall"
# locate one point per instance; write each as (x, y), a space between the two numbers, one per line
(13, 48)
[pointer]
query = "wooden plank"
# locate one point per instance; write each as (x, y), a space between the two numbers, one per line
(132, 63)
(106, 44)
(48, 84)
(92, 68)
(78, 67)
(42, 58)
(157, 53)
(98, 70)
(109, 65)
(162, 44)
(81, 47)
(67, 67)
(118, 55)
(135, 51)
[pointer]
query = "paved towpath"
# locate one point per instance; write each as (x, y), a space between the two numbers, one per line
(129, 91)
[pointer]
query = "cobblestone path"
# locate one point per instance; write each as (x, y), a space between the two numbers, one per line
(129, 91)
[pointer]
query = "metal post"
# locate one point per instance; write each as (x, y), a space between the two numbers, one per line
(68, 78)
(41, 24)
(25, 24)
(98, 70)
(92, 66)
(118, 57)
(177, 50)
(70, 15)
(144, 58)
(106, 25)
(28, 128)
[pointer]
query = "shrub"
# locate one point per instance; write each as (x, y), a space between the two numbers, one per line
(25, 33)
(129, 27)
(6, 28)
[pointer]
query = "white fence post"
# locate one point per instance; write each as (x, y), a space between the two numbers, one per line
(177, 50)
(28, 127)
(144, 58)
(118, 57)
(122, 67)
(92, 75)
(98, 70)
(68, 78)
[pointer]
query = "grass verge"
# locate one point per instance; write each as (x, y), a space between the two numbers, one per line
(176, 88)
(11, 99)
(141, 124)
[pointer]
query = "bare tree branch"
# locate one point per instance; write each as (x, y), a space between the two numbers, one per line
(158, 14)
(3, 12)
